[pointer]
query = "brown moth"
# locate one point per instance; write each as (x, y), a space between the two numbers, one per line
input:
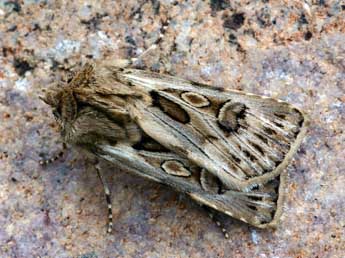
(226, 149)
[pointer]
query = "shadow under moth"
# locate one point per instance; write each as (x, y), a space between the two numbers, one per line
(225, 149)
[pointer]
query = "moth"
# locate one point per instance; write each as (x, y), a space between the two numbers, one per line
(226, 149)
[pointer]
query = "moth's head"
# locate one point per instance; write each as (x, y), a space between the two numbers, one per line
(62, 102)
(52, 96)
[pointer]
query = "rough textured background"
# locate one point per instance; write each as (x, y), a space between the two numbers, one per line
(293, 50)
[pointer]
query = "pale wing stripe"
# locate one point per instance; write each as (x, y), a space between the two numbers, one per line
(274, 141)
(284, 137)
(244, 140)
(268, 163)
(287, 124)
(266, 121)
(258, 170)
(227, 158)
(275, 146)
(231, 148)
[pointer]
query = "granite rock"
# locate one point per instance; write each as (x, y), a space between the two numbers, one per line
(292, 50)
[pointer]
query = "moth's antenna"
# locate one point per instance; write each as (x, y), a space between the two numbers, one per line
(154, 46)
(136, 59)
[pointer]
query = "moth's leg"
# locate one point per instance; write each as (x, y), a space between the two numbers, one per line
(108, 199)
(213, 215)
(45, 162)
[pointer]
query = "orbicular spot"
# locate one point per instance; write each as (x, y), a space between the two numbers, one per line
(175, 168)
(170, 108)
(195, 99)
(209, 182)
(229, 115)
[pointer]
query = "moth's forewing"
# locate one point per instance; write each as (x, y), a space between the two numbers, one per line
(241, 138)
(260, 207)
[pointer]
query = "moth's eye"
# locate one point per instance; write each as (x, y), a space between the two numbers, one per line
(57, 112)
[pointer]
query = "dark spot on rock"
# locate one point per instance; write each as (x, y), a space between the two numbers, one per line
(21, 66)
(130, 40)
(36, 26)
(217, 5)
(136, 13)
(12, 28)
(303, 19)
(7, 50)
(14, 97)
(264, 17)
(94, 22)
(343, 7)
(131, 51)
(13, 5)
(234, 22)
(308, 35)
(233, 39)
(155, 6)
(88, 255)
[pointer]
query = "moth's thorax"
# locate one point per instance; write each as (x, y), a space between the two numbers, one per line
(93, 108)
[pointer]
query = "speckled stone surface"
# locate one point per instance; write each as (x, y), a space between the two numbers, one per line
(293, 50)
